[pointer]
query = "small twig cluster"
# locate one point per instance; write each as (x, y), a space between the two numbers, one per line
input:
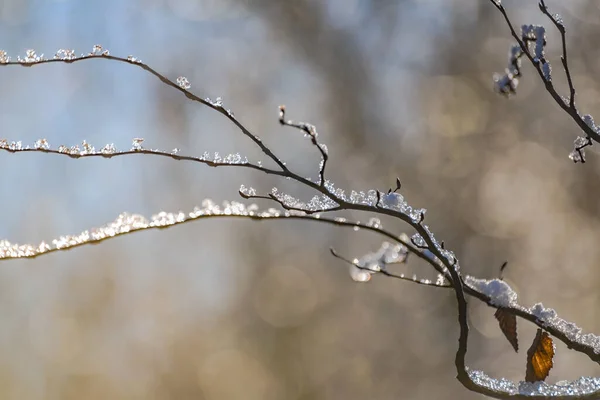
(531, 43)
(423, 244)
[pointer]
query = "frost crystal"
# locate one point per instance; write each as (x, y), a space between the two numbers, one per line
(4, 58)
(30, 57)
(536, 34)
(317, 203)
(133, 59)
(249, 192)
(547, 70)
(388, 253)
(183, 83)
(499, 292)
(136, 144)
(96, 50)
(63, 54)
(507, 84)
(87, 148)
(324, 148)
(41, 144)
(580, 143)
(109, 149)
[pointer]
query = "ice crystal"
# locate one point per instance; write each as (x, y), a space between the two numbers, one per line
(97, 50)
(109, 149)
(375, 223)
(535, 34)
(30, 57)
(580, 143)
(418, 240)
(136, 144)
(388, 253)
(577, 156)
(87, 148)
(235, 158)
(133, 59)
(65, 54)
(507, 84)
(183, 83)
(4, 57)
(41, 144)
(15, 146)
(324, 148)
(248, 192)
(589, 121)
(317, 203)
(547, 70)
(441, 280)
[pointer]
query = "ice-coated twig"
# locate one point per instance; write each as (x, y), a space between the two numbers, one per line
(109, 151)
(568, 105)
(310, 131)
(560, 26)
(68, 56)
(380, 267)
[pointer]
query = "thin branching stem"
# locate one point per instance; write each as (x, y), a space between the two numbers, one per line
(569, 107)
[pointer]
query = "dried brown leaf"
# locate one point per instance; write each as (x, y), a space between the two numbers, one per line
(508, 325)
(539, 357)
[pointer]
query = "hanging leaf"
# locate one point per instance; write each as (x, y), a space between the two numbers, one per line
(539, 357)
(508, 325)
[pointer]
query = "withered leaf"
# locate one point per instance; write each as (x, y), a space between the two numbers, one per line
(539, 357)
(508, 325)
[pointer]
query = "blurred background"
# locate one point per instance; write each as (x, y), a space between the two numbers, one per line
(222, 309)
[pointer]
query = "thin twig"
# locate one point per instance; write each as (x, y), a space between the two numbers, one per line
(310, 131)
(385, 272)
(159, 153)
(561, 28)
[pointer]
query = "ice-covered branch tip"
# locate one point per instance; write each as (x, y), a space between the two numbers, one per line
(311, 132)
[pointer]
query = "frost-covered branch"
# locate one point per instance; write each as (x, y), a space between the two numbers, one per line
(423, 244)
(531, 43)
(109, 151)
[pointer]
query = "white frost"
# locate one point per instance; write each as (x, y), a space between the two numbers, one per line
(499, 292)
(581, 386)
